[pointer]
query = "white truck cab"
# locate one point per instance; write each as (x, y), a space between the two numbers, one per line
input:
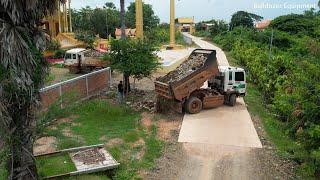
(230, 79)
(74, 56)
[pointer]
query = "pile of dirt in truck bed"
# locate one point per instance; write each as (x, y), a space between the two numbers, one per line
(192, 64)
(93, 53)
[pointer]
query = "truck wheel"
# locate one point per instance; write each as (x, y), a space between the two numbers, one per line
(193, 105)
(232, 99)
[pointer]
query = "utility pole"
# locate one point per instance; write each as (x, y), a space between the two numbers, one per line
(107, 22)
(271, 41)
(139, 19)
(172, 24)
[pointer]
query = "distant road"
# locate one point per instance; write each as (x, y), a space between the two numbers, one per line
(222, 59)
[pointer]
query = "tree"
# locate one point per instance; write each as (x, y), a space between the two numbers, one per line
(22, 72)
(244, 19)
(134, 58)
(150, 20)
(110, 5)
(81, 19)
(86, 37)
(218, 27)
(102, 21)
(295, 23)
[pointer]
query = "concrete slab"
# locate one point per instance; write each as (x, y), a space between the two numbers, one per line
(231, 126)
(100, 159)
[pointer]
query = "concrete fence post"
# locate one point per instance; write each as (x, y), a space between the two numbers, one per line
(87, 86)
(60, 95)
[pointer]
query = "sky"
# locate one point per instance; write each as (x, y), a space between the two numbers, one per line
(214, 9)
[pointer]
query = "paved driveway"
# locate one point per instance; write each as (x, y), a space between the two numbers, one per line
(231, 126)
(223, 137)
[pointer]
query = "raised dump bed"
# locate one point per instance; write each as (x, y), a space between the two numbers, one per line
(189, 76)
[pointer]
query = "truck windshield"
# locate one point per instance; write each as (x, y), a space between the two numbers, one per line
(68, 56)
(239, 76)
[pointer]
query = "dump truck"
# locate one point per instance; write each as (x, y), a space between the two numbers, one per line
(200, 83)
(80, 60)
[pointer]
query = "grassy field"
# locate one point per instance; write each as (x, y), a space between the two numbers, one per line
(97, 121)
(61, 163)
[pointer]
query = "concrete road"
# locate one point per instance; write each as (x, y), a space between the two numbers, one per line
(215, 135)
(222, 59)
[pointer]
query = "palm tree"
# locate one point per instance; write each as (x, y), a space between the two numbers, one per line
(22, 70)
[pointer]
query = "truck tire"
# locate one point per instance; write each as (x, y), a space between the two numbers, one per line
(193, 105)
(232, 99)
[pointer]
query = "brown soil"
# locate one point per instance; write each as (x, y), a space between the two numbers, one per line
(112, 142)
(200, 161)
(146, 120)
(146, 84)
(167, 129)
(45, 145)
(139, 143)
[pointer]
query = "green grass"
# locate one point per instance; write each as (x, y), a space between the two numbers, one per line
(276, 130)
(54, 165)
(96, 119)
(99, 118)
(132, 136)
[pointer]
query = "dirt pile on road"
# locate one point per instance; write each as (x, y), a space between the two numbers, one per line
(192, 64)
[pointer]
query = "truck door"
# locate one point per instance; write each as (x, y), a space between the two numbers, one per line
(229, 80)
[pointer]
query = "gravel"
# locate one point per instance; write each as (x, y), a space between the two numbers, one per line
(93, 53)
(192, 64)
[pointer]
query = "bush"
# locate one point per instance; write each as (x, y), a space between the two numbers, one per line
(53, 45)
(289, 81)
(59, 54)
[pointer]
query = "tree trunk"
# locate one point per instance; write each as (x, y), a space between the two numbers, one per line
(127, 88)
(21, 164)
(122, 19)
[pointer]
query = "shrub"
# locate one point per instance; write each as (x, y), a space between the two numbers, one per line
(59, 54)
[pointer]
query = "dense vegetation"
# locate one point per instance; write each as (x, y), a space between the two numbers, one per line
(104, 21)
(150, 20)
(287, 74)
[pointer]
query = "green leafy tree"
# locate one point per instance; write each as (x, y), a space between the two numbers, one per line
(218, 27)
(295, 23)
(134, 58)
(86, 37)
(81, 19)
(102, 21)
(109, 5)
(22, 73)
(244, 19)
(150, 20)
